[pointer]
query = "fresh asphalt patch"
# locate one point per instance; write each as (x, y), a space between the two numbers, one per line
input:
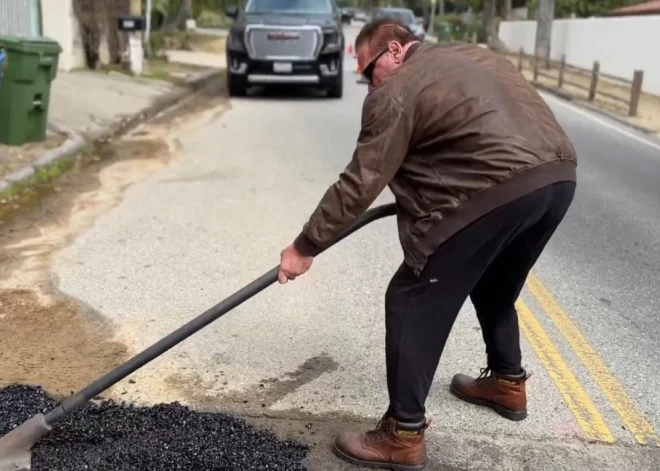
(107, 436)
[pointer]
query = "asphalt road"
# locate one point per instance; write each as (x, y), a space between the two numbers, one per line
(312, 350)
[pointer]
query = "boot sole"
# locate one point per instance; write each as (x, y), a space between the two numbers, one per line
(515, 415)
(376, 464)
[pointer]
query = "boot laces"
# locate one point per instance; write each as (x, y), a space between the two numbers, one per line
(485, 374)
(380, 431)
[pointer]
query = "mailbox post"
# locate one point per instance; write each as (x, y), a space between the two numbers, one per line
(134, 24)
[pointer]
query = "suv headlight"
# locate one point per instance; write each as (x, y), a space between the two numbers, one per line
(331, 40)
(235, 40)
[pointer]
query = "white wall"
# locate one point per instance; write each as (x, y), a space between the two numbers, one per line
(61, 24)
(621, 45)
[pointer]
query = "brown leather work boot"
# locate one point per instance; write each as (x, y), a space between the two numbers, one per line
(392, 445)
(505, 394)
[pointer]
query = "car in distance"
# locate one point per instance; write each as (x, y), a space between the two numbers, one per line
(360, 15)
(289, 42)
(406, 16)
(346, 15)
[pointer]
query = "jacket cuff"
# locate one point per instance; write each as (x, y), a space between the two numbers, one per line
(305, 246)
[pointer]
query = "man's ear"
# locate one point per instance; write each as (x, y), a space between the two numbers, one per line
(397, 51)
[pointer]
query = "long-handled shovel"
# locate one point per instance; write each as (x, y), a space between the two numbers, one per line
(15, 446)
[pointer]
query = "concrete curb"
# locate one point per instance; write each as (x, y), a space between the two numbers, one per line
(589, 106)
(200, 80)
(75, 143)
(72, 146)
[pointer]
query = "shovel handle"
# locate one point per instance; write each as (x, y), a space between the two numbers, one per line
(80, 398)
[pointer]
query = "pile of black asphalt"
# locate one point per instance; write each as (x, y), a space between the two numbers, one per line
(106, 436)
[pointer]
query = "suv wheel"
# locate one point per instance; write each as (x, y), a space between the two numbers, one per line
(234, 87)
(336, 90)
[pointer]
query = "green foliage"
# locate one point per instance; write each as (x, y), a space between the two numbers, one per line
(585, 8)
(160, 41)
(453, 28)
(449, 27)
(210, 12)
(42, 176)
(157, 43)
(455, 20)
(184, 39)
(201, 7)
(166, 7)
(212, 19)
(207, 13)
(476, 5)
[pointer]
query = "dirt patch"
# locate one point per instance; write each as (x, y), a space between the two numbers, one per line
(48, 339)
(74, 203)
(53, 345)
(57, 197)
(207, 43)
(14, 158)
(612, 96)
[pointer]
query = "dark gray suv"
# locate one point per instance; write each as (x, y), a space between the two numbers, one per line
(292, 42)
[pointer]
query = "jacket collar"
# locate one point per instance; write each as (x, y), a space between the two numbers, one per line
(411, 50)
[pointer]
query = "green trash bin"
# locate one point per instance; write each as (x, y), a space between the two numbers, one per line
(30, 66)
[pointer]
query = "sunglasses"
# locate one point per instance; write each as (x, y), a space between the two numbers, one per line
(368, 71)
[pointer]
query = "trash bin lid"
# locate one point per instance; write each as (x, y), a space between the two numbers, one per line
(30, 44)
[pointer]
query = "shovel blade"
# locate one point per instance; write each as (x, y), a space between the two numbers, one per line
(15, 447)
(17, 462)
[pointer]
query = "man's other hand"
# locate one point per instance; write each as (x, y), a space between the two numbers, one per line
(292, 264)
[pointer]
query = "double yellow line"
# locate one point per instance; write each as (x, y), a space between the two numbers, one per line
(586, 414)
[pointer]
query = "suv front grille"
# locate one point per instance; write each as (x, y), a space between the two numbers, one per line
(287, 43)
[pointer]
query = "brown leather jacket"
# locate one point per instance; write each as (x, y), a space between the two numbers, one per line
(455, 132)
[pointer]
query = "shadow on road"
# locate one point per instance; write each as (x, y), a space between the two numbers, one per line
(284, 92)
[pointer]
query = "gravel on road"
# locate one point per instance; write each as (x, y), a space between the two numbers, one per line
(104, 436)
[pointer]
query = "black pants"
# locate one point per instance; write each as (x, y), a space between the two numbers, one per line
(489, 260)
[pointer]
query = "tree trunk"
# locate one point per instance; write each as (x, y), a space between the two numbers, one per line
(506, 10)
(492, 41)
(426, 13)
(185, 12)
(116, 42)
(544, 16)
(90, 22)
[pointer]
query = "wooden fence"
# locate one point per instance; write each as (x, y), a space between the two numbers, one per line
(635, 84)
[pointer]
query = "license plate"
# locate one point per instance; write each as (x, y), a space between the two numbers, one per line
(282, 67)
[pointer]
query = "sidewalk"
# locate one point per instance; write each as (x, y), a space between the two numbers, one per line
(89, 102)
(197, 58)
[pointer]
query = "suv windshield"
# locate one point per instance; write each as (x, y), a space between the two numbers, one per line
(405, 16)
(289, 6)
